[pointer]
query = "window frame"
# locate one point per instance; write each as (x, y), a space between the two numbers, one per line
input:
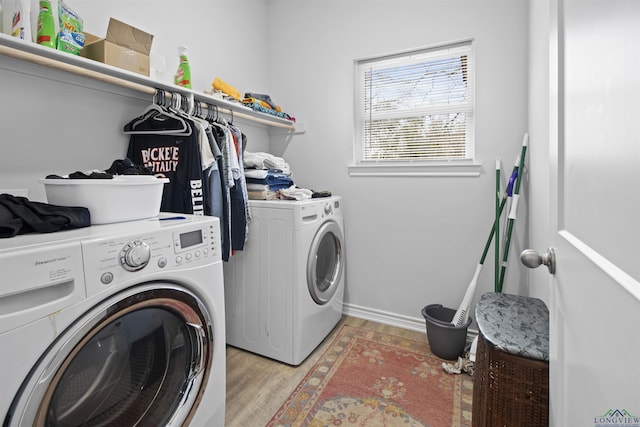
(407, 167)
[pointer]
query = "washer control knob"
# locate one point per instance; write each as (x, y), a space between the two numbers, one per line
(135, 255)
(327, 209)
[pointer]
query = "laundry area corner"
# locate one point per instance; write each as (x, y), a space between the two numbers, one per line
(329, 171)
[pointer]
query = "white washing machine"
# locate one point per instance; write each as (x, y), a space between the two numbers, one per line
(114, 325)
(284, 291)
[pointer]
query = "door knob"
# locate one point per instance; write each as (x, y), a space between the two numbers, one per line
(533, 259)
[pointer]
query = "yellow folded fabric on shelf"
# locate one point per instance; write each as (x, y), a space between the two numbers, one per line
(261, 102)
(221, 85)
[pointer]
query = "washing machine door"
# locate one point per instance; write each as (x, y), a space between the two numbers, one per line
(325, 262)
(138, 359)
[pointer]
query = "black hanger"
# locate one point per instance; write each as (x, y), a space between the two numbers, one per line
(157, 119)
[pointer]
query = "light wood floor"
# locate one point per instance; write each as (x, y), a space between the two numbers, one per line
(257, 386)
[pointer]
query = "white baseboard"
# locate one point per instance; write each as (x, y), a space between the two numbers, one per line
(394, 319)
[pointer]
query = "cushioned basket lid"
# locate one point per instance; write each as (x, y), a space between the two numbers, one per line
(515, 324)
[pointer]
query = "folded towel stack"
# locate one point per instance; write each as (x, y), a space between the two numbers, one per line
(272, 181)
(265, 161)
(265, 174)
(269, 177)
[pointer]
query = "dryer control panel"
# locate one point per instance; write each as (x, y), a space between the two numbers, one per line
(115, 259)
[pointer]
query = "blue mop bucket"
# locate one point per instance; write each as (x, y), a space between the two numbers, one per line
(446, 340)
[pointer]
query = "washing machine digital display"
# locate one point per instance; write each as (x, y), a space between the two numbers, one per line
(188, 240)
(191, 238)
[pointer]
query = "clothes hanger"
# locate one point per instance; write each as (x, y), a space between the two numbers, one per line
(153, 108)
(197, 110)
(158, 119)
(211, 117)
(174, 111)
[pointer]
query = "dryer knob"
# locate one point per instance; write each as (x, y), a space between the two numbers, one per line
(135, 256)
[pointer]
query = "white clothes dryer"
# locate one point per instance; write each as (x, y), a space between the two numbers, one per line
(284, 292)
(114, 325)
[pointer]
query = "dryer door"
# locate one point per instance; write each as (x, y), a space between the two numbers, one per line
(325, 262)
(137, 359)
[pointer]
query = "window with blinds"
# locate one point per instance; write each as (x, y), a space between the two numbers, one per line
(416, 106)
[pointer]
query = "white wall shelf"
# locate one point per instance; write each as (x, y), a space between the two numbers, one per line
(52, 58)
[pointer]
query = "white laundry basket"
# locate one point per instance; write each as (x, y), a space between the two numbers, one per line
(123, 198)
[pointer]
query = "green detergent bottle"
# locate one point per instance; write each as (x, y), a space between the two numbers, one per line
(183, 75)
(46, 35)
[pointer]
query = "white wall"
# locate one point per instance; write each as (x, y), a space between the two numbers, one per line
(215, 32)
(410, 241)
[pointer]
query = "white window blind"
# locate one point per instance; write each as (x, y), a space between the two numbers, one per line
(416, 106)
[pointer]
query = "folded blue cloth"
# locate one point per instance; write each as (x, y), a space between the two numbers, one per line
(262, 173)
(274, 181)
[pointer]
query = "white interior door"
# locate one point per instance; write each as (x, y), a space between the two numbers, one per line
(595, 212)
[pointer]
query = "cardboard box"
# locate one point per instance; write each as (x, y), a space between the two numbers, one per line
(124, 47)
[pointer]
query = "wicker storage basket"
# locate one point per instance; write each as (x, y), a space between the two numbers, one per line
(509, 390)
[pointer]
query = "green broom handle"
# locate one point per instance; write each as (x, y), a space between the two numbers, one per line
(493, 228)
(512, 219)
(496, 227)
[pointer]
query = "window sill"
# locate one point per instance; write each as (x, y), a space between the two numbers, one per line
(470, 169)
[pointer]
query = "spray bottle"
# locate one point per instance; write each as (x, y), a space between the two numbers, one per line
(46, 27)
(17, 23)
(183, 75)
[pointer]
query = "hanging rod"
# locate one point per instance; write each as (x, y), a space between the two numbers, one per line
(148, 86)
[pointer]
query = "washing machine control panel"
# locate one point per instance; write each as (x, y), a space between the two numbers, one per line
(193, 245)
(115, 259)
(331, 208)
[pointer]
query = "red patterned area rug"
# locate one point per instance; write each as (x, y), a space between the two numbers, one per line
(368, 378)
